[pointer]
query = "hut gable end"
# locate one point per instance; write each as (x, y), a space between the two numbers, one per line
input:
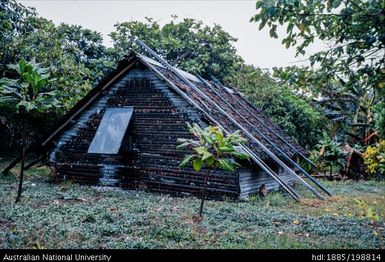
(159, 119)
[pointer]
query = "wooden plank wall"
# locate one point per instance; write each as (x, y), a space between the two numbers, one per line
(250, 181)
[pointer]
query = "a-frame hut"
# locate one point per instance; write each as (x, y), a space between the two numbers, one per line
(124, 133)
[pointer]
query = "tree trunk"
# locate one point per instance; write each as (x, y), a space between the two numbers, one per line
(204, 194)
(331, 172)
(23, 138)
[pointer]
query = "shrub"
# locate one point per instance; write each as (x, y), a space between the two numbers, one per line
(374, 159)
(330, 154)
(379, 118)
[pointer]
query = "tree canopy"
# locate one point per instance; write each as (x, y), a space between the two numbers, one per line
(291, 111)
(353, 30)
(349, 74)
(76, 57)
(346, 80)
(188, 44)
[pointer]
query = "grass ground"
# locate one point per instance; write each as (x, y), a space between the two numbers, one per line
(72, 216)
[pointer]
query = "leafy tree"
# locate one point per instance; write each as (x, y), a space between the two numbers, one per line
(12, 23)
(288, 109)
(350, 71)
(28, 93)
(353, 29)
(188, 44)
(351, 110)
(74, 56)
(86, 47)
(211, 149)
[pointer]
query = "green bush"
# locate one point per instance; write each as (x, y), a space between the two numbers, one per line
(374, 159)
(379, 118)
(329, 154)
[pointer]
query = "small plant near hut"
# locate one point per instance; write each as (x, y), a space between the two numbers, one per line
(212, 149)
(28, 92)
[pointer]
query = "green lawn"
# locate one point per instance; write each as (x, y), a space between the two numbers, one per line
(72, 216)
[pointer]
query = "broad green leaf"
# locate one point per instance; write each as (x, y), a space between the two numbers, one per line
(239, 155)
(206, 156)
(226, 165)
(219, 138)
(183, 145)
(226, 149)
(301, 27)
(186, 160)
(201, 150)
(197, 164)
(207, 137)
(210, 162)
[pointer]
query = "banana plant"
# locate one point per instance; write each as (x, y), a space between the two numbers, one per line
(211, 149)
(330, 153)
(28, 92)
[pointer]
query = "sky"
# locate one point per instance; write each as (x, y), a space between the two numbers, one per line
(254, 46)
